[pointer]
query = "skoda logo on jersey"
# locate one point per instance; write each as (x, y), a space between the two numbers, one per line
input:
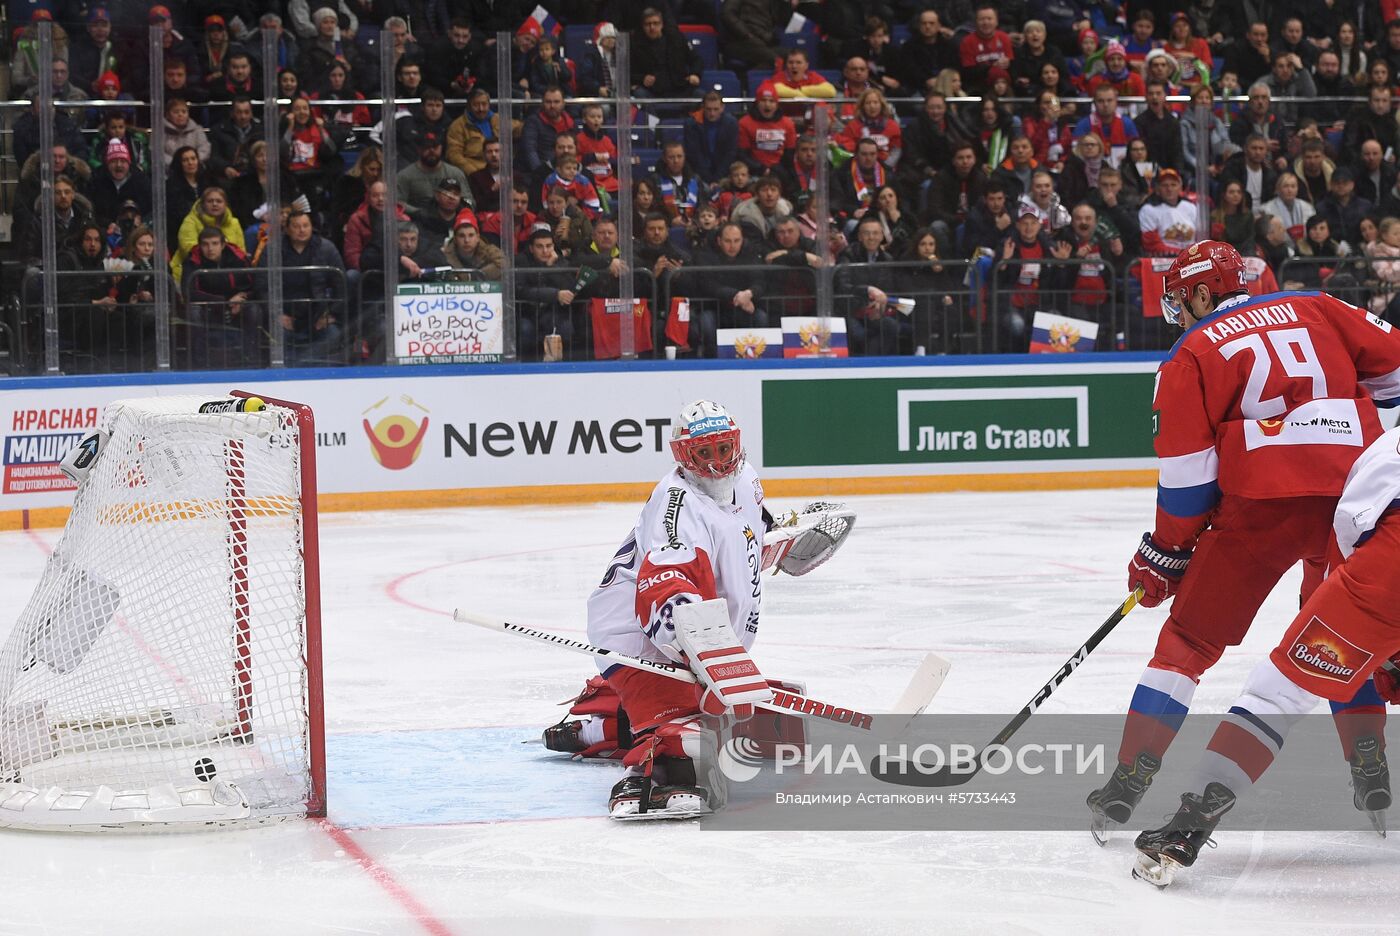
(739, 759)
(708, 424)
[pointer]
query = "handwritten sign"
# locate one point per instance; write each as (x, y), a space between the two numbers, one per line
(448, 323)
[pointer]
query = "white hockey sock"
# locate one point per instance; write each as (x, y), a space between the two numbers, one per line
(1252, 734)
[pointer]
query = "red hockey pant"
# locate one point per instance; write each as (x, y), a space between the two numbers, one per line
(1351, 624)
(1249, 546)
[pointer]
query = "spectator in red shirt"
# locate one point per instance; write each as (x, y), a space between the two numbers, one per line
(1117, 74)
(1191, 51)
(874, 121)
(985, 48)
(766, 137)
(796, 79)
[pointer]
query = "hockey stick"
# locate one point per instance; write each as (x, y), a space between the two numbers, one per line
(927, 680)
(956, 775)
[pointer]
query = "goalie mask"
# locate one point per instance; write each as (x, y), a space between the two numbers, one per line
(705, 443)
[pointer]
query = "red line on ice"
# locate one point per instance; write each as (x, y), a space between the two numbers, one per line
(392, 589)
(386, 880)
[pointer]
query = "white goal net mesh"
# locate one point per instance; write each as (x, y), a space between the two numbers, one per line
(164, 648)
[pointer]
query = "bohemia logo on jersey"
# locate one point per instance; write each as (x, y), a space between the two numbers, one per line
(395, 441)
(1321, 651)
(40, 439)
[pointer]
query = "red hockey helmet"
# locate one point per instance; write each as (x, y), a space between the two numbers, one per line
(1213, 264)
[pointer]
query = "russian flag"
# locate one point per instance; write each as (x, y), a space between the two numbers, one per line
(749, 344)
(810, 336)
(542, 22)
(1052, 333)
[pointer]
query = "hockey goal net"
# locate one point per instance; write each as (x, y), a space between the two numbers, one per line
(166, 671)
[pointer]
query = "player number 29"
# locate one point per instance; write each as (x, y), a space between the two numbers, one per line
(1293, 349)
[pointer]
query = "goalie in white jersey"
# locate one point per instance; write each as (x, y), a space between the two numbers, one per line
(700, 537)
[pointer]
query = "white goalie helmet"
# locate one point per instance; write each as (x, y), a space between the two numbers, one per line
(706, 444)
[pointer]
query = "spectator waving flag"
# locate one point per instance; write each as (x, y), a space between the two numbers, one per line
(542, 23)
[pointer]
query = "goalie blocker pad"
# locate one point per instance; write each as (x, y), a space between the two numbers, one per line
(807, 540)
(716, 656)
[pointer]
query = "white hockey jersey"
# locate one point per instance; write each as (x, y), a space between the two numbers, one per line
(684, 547)
(1371, 487)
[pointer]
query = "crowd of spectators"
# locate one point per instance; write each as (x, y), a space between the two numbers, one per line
(966, 190)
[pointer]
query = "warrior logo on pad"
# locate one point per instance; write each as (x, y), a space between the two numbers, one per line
(1321, 651)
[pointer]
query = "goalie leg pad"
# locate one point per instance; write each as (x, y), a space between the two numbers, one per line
(678, 759)
(601, 730)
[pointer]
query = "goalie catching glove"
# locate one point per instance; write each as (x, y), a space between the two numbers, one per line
(800, 542)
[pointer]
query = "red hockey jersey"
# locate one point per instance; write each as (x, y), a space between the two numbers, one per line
(1270, 396)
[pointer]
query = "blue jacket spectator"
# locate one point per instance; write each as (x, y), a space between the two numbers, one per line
(712, 143)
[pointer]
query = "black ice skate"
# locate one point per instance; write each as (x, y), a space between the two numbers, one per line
(1114, 802)
(1370, 782)
(1162, 852)
(564, 738)
(637, 797)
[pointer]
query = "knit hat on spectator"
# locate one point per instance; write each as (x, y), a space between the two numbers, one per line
(531, 27)
(466, 218)
(603, 31)
(996, 73)
(99, 15)
(108, 80)
(766, 91)
(116, 149)
(1083, 33)
(1160, 53)
(159, 14)
(322, 13)
(1167, 174)
(1115, 48)
(214, 19)
(41, 14)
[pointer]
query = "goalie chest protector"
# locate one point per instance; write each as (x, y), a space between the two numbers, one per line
(677, 520)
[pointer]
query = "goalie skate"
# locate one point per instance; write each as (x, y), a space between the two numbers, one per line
(662, 802)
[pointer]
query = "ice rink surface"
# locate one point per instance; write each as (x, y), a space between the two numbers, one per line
(442, 822)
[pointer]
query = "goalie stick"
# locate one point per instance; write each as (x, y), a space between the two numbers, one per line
(924, 684)
(947, 775)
